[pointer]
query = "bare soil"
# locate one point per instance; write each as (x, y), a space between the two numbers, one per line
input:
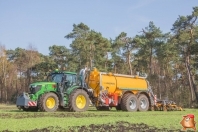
(117, 127)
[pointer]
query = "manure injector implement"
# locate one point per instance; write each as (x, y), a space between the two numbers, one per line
(104, 90)
(166, 105)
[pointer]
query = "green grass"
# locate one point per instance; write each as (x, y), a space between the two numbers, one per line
(15, 120)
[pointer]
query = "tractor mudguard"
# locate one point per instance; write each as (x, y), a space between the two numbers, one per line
(71, 89)
(24, 100)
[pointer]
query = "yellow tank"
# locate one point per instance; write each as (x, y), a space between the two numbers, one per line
(115, 83)
(125, 92)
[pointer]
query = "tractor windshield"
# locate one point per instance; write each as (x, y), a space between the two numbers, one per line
(58, 77)
(55, 78)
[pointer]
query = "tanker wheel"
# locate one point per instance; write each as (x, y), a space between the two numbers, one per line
(118, 107)
(129, 102)
(48, 102)
(143, 103)
(78, 101)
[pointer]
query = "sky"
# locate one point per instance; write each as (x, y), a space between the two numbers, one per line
(43, 23)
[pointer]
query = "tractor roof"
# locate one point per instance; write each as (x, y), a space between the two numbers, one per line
(66, 72)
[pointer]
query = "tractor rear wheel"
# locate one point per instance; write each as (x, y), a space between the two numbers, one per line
(48, 102)
(78, 101)
(129, 103)
(143, 103)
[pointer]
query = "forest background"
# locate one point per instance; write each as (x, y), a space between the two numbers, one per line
(170, 59)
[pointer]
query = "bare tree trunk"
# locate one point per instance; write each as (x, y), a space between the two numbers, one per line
(91, 65)
(115, 68)
(1, 92)
(90, 57)
(151, 53)
(159, 86)
(189, 79)
(195, 88)
(4, 78)
(129, 63)
(106, 61)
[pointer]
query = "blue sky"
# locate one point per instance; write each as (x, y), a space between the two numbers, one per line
(43, 23)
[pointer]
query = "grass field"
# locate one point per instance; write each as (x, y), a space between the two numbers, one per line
(12, 119)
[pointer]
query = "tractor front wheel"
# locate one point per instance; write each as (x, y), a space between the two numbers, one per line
(78, 101)
(48, 102)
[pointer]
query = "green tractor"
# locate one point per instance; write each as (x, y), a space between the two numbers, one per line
(60, 90)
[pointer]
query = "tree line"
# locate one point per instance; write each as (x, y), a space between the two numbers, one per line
(169, 59)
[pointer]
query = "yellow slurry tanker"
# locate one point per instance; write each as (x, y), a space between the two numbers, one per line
(105, 90)
(124, 92)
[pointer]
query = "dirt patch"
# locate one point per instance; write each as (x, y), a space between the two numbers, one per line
(23, 115)
(120, 126)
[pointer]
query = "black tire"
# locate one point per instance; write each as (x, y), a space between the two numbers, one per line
(143, 103)
(129, 103)
(78, 101)
(48, 102)
(118, 107)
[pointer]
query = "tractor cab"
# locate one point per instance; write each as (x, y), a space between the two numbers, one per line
(66, 79)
